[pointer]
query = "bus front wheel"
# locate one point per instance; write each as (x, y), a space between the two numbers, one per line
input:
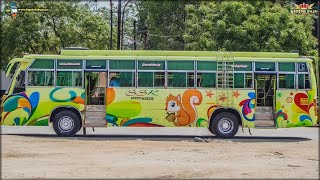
(66, 123)
(225, 125)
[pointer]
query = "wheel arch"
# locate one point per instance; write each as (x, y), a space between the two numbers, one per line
(221, 110)
(65, 108)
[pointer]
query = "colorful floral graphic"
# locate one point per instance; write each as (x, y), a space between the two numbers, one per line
(297, 111)
(248, 107)
(18, 109)
(33, 109)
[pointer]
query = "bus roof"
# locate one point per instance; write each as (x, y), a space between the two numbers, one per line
(174, 53)
(169, 55)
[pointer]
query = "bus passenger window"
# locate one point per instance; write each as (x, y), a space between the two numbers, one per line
(123, 79)
(159, 79)
(286, 81)
(190, 79)
(206, 80)
(40, 78)
(145, 79)
(248, 82)
(77, 78)
(303, 81)
(176, 79)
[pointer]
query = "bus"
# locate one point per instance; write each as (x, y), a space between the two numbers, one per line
(218, 90)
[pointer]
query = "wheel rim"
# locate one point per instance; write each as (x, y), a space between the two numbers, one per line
(66, 124)
(225, 125)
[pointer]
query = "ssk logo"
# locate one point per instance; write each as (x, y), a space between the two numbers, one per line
(303, 8)
(142, 94)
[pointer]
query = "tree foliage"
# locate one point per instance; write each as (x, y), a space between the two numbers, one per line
(247, 26)
(65, 24)
(161, 24)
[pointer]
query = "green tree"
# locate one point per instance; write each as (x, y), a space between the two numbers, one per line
(161, 24)
(248, 26)
(65, 24)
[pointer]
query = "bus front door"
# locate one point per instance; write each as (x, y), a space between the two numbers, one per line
(95, 110)
(265, 102)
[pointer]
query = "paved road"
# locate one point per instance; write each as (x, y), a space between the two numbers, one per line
(172, 134)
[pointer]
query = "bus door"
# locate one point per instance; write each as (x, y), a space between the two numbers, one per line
(95, 87)
(265, 86)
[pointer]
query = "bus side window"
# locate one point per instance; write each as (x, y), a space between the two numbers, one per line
(20, 83)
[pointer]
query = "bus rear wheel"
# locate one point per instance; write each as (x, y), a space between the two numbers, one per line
(225, 125)
(66, 123)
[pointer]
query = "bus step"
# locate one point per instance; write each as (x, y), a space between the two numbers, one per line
(263, 115)
(95, 123)
(264, 109)
(264, 123)
(99, 108)
(100, 114)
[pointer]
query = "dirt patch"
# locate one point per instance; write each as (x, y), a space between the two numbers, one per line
(51, 157)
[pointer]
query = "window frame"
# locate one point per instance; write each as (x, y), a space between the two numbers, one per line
(153, 72)
(278, 80)
(134, 77)
(72, 70)
(204, 71)
(182, 71)
(252, 72)
(305, 73)
(35, 69)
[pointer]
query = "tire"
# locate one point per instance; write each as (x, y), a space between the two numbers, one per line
(225, 125)
(66, 123)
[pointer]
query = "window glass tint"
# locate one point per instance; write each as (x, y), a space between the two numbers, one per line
(206, 80)
(207, 65)
(121, 79)
(287, 67)
(242, 66)
(159, 79)
(77, 78)
(303, 81)
(190, 79)
(40, 78)
(286, 81)
(180, 65)
(96, 64)
(69, 78)
(151, 65)
(239, 80)
(19, 85)
(64, 78)
(176, 79)
(248, 80)
(302, 67)
(265, 66)
(43, 64)
(69, 64)
(122, 64)
(145, 79)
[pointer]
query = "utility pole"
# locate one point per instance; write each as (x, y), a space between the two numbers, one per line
(111, 24)
(119, 25)
(134, 34)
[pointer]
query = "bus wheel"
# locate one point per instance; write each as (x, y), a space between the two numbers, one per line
(66, 123)
(225, 125)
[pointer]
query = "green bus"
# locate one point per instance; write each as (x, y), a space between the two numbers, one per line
(216, 90)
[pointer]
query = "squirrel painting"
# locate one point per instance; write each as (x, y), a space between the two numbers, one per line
(182, 110)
